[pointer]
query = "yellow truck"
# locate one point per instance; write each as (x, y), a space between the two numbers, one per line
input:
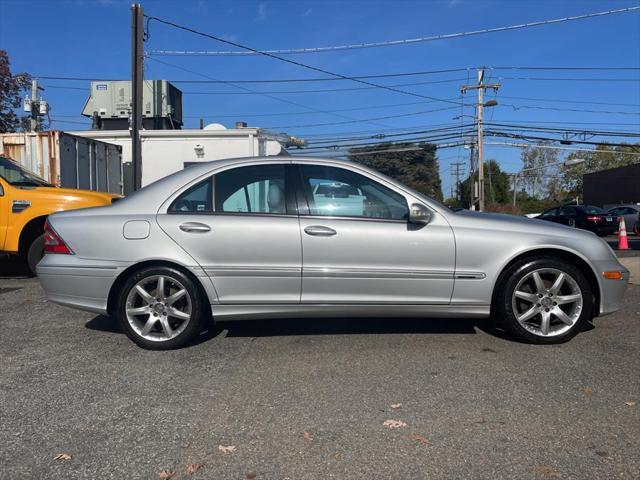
(25, 202)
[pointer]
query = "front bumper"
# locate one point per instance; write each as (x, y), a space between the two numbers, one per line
(611, 291)
(74, 282)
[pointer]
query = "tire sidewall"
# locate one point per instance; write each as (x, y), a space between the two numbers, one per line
(509, 282)
(35, 253)
(198, 309)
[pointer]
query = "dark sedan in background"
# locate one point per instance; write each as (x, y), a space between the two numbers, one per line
(631, 214)
(587, 217)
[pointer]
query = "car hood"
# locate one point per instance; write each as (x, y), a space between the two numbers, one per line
(513, 223)
(72, 195)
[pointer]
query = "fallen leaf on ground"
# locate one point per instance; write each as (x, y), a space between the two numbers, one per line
(630, 403)
(586, 389)
(546, 470)
(307, 436)
(250, 476)
(62, 456)
(420, 438)
(394, 423)
(193, 468)
(395, 406)
(166, 474)
(229, 449)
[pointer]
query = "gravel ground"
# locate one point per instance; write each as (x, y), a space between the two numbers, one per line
(476, 405)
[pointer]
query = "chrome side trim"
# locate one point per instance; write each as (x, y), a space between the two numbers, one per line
(319, 272)
(249, 312)
(244, 271)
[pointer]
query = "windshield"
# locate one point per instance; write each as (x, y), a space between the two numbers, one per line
(17, 176)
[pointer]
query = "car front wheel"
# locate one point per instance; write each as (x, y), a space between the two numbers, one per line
(544, 300)
(160, 308)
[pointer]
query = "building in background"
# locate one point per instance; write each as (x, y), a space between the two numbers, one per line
(167, 151)
(615, 186)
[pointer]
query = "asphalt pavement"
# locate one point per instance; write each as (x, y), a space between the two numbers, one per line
(308, 399)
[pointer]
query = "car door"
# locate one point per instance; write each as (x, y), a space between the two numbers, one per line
(359, 248)
(567, 216)
(247, 237)
(550, 215)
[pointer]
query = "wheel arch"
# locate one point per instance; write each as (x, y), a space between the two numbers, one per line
(31, 230)
(122, 277)
(563, 254)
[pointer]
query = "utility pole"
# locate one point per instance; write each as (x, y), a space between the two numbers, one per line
(457, 166)
(472, 178)
(35, 107)
(481, 87)
(136, 93)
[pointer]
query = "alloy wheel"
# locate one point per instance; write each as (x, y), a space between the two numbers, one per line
(158, 308)
(547, 302)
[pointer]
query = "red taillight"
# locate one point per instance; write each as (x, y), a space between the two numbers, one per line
(53, 243)
(594, 219)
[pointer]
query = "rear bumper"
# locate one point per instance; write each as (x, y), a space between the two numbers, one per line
(73, 282)
(611, 291)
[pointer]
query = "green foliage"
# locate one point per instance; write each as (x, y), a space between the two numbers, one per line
(11, 87)
(417, 168)
(497, 188)
(603, 157)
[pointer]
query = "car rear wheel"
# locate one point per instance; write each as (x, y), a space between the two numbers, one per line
(160, 308)
(35, 253)
(544, 300)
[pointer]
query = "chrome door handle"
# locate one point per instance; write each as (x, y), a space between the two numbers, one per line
(319, 231)
(194, 227)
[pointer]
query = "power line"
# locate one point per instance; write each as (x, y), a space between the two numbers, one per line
(250, 90)
(559, 100)
(361, 77)
(389, 43)
(294, 62)
(567, 79)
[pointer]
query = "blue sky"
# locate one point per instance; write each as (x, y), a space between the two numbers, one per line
(83, 38)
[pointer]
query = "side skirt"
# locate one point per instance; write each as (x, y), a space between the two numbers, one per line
(249, 312)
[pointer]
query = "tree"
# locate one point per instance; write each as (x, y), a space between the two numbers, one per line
(497, 188)
(603, 157)
(535, 161)
(417, 168)
(11, 88)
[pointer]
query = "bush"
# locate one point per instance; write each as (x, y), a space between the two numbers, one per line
(503, 208)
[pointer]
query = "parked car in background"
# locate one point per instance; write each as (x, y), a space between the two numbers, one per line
(25, 202)
(631, 214)
(257, 238)
(586, 217)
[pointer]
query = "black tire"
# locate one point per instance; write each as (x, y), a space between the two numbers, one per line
(200, 309)
(508, 281)
(35, 253)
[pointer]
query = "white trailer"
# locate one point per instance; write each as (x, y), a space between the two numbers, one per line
(167, 151)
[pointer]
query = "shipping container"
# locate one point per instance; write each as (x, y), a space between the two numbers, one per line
(67, 160)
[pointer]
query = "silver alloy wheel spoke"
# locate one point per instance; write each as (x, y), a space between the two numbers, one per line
(563, 317)
(564, 299)
(547, 302)
(529, 297)
(162, 316)
(171, 299)
(151, 321)
(138, 310)
(146, 296)
(540, 288)
(545, 322)
(172, 312)
(555, 288)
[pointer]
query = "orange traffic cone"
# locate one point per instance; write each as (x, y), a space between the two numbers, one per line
(622, 235)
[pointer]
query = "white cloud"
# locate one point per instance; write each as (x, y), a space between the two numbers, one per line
(262, 12)
(307, 12)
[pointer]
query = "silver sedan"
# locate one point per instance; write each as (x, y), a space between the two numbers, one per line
(300, 237)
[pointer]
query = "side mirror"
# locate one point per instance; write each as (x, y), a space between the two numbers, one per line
(419, 214)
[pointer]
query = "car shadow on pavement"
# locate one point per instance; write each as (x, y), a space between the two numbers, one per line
(13, 268)
(323, 326)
